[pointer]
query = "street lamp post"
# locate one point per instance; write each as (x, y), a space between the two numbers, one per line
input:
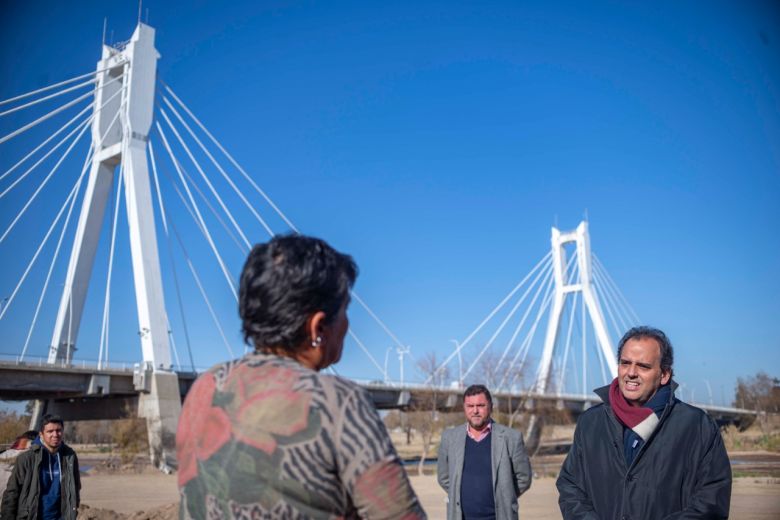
(460, 363)
(387, 352)
(401, 352)
(709, 390)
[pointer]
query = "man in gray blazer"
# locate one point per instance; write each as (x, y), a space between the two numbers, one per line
(483, 466)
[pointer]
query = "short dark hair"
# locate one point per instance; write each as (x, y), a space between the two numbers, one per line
(284, 281)
(643, 331)
(476, 390)
(51, 418)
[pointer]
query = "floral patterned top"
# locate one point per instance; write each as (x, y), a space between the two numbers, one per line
(265, 437)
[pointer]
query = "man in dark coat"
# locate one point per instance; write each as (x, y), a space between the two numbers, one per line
(643, 454)
(45, 482)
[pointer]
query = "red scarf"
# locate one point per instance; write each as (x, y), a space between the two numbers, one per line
(641, 419)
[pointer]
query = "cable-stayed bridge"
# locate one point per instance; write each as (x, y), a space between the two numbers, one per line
(121, 136)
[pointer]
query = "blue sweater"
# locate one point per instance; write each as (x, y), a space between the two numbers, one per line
(51, 478)
(476, 487)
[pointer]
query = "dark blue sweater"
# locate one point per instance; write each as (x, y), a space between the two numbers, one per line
(51, 478)
(476, 485)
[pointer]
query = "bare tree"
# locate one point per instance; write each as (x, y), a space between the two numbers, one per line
(761, 393)
(12, 425)
(504, 376)
(425, 418)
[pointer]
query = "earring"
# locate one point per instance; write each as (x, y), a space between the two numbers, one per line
(316, 342)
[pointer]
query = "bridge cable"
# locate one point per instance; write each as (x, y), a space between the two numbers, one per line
(45, 142)
(493, 312)
(173, 343)
(232, 161)
(602, 297)
(208, 238)
(354, 295)
(53, 170)
(202, 290)
(600, 266)
(584, 350)
(83, 172)
(365, 350)
(241, 247)
(604, 290)
(602, 361)
(575, 272)
(72, 196)
(526, 347)
(543, 278)
(104, 329)
(574, 362)
(547, 282)
(61, 83)
(191, 266)
(247, 244)
(219, 168)
(55, 111)
(205, 200)
(505, 321)
(26, 272)
(572, 308)
(43, 184)
(170, 257)
(525, 316)
(376, 318)
(46, 98)
(384, 327)
(611, 301)
(210, 241)
(270, 203)
(85, 122)
(16, 182)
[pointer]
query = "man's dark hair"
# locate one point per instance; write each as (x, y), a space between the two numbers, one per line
(643, 331)
(476, 390)
(51, 418)
(286, 280)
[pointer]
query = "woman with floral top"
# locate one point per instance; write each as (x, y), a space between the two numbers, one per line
(269, 435)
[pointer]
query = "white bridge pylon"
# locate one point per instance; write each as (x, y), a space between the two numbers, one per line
(120, 132)
(569, 286)
(119, 136)
(563, 288)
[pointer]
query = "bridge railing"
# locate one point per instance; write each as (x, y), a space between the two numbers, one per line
(7, 358)
(41, 361)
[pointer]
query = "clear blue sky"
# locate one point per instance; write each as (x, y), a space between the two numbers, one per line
(438, 143)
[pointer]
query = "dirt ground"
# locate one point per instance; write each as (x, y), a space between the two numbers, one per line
(153, 493)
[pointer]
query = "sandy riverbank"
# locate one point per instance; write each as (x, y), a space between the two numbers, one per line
(752, 498)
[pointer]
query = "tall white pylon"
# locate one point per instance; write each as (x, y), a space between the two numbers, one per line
(563, 289)
(121, 141)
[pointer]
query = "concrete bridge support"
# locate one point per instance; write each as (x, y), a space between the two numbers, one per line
(161, 408)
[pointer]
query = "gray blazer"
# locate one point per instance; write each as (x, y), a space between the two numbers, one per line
(511, 469)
